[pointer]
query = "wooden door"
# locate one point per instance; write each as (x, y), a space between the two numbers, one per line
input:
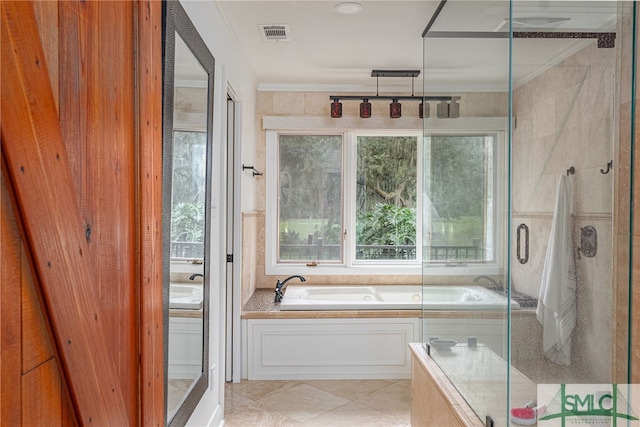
(81, 269)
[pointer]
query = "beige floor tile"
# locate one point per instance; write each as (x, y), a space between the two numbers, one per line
(302, 402)
(350, 389)
(252, 415)
(176, 390)
(394, 400)
(234, 400)
(324, 403)
(406, 383)
(354, 414)
(256, 390)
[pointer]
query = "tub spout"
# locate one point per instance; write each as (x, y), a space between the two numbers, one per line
(279, 290)
(495, 286)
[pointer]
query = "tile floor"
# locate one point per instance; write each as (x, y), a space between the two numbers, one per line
(335, 403)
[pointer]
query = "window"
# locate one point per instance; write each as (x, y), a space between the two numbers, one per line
(460, 187)
(386, 198)
(188, 194)
(355, 203)
(310, 213)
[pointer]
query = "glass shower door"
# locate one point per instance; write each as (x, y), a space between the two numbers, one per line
(466, 300)
(526, 189)
(571, 100)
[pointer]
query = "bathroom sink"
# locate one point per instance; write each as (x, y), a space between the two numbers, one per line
(187, 297)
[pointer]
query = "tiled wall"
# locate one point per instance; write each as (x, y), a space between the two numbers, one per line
(567, 117)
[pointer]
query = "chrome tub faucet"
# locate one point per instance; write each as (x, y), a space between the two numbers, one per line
(279, 290)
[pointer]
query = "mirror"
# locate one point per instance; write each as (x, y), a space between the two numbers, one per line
(187, 139)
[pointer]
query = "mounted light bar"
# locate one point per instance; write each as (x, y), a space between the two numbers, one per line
(395, 108)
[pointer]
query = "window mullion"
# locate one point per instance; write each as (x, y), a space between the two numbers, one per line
(349, 169)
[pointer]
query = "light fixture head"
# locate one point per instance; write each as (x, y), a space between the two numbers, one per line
(424, 110)
(395, 109)
(348, 8)
(442, 110)
(336, 109)
(365, 109)
(454, 109)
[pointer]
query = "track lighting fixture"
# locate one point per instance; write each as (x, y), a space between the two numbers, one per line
(424, 110)
(444, 109)
(395, 109)
(365, 109)
(336, 109)
(454, 109)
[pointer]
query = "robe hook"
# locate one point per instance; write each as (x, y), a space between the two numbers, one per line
(609, 167)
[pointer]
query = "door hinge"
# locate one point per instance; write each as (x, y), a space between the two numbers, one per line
(229, 257)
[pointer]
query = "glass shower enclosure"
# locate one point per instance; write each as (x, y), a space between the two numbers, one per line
(526, 183)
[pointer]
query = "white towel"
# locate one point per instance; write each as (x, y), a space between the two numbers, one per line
(556, 309)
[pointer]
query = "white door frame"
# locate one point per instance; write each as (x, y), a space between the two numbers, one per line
(233, 349)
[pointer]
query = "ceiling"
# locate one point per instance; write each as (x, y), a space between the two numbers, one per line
(333, 52)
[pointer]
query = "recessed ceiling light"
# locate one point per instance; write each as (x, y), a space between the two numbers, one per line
(348, 8)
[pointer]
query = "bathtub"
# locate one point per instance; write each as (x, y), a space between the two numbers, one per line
(186, 297)
(392, 297)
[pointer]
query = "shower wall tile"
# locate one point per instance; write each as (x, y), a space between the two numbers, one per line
(600, 150)
(566, 100)
(317, 104)
(264, 103)
(537, 90)
(568, 73)
(523, 132)
(288, 103)
(249, 255)
(544, 118)
(620, 332)
(601, 59)
(595, 301)
(482, 104)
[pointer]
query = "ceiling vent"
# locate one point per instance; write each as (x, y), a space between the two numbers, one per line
(275, 32)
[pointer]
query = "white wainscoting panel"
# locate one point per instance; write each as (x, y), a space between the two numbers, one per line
(330, 348)
(185, 347)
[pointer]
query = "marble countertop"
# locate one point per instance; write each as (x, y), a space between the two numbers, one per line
(262, 306)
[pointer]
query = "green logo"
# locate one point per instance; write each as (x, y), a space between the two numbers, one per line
(587, 404)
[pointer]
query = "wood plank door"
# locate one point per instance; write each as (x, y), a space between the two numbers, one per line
(81, 206)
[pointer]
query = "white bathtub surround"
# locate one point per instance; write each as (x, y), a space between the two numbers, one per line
(185, 331)
(354, 344)
(339, 348)
(185, 351)
(392, 297)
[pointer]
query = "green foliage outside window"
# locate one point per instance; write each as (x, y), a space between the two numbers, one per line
(387, 225)
(187, 222)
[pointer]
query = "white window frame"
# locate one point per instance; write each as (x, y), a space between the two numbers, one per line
(350, 129)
